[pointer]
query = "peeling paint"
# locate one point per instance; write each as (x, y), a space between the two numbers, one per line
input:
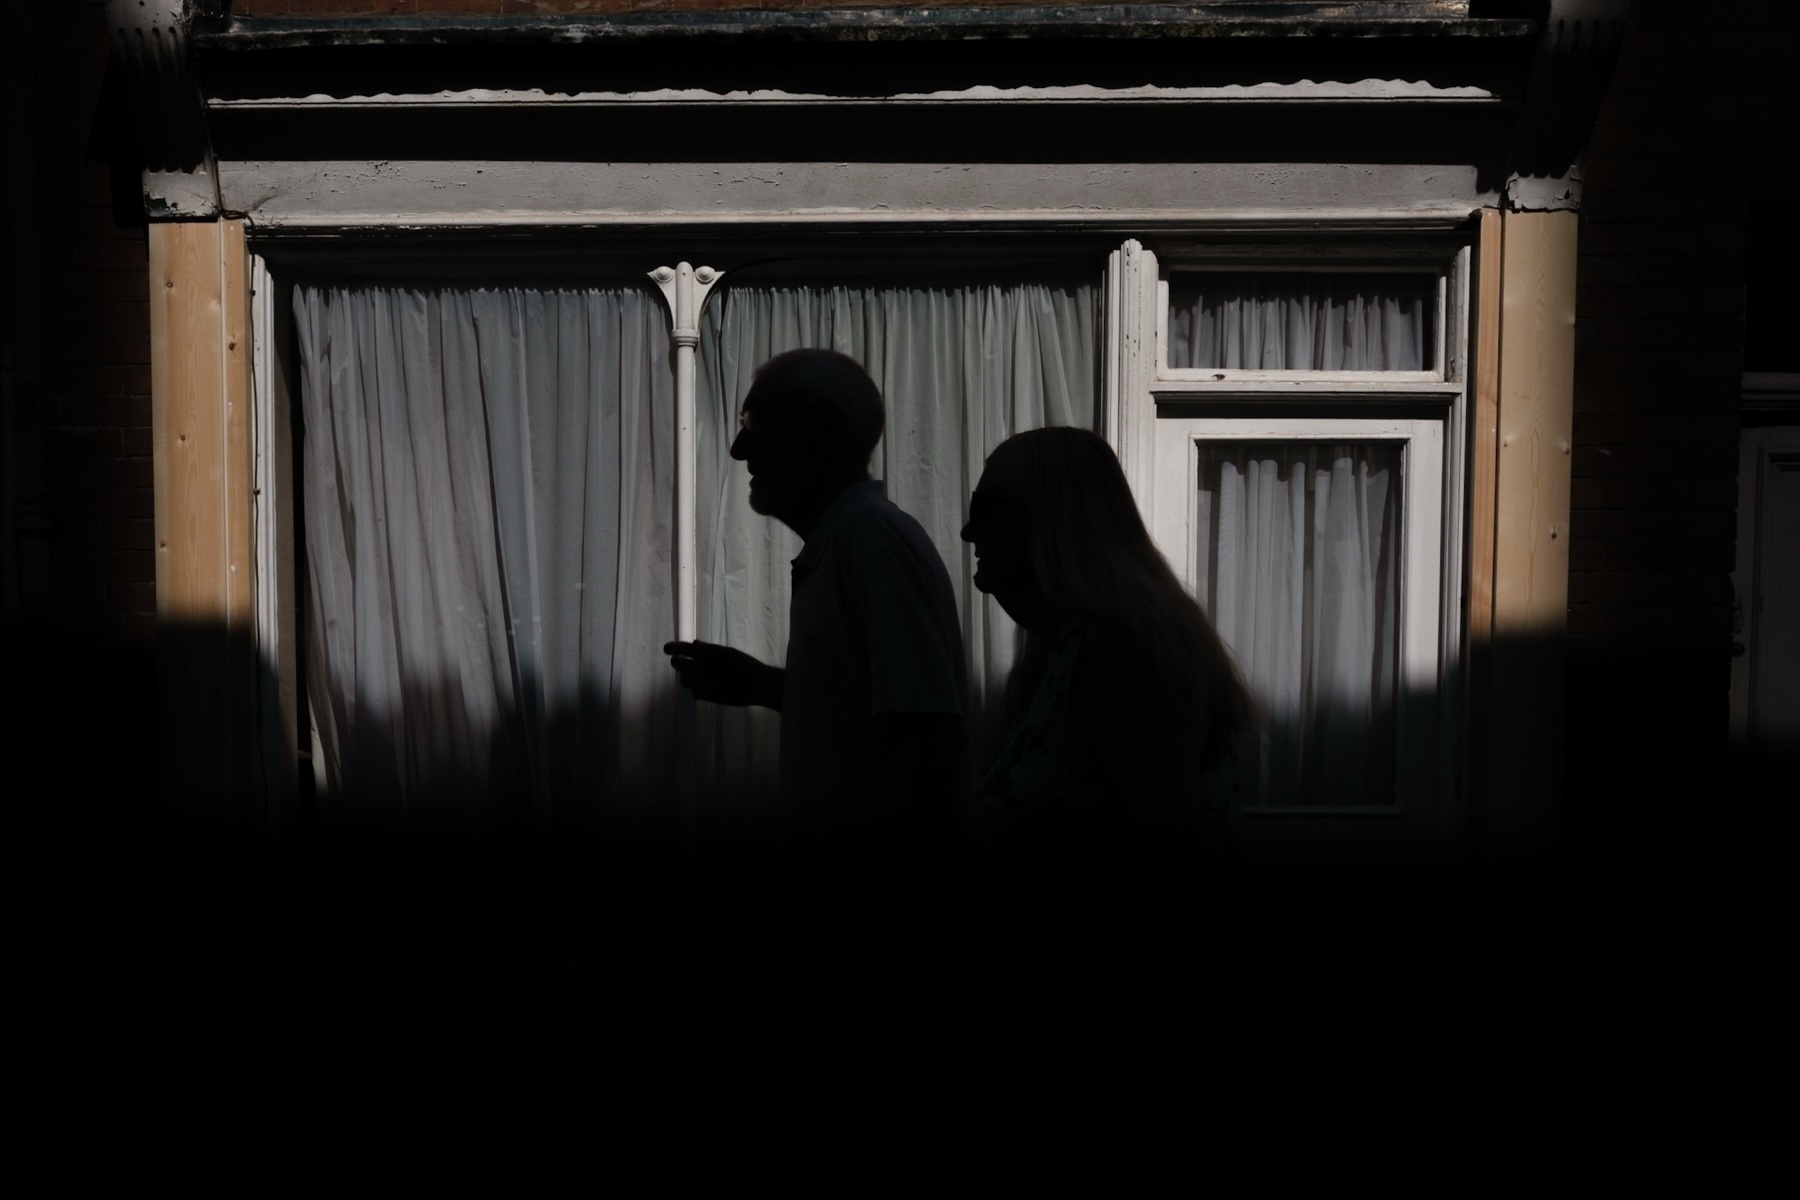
(276, 192)
(1303, 91)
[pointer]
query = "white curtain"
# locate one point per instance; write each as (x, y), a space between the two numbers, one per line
(489, 489)
(963, 365)
(1272, 320)
(1299, 549)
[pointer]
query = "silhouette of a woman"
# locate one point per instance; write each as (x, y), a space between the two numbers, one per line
(1102, 817)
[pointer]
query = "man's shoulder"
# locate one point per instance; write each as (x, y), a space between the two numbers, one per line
(877, 523)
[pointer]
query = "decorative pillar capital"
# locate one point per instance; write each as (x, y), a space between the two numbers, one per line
(685, 288)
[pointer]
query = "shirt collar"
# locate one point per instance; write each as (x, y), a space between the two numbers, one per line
(850, 498)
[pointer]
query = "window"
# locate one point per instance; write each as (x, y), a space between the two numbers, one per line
(1287, 324)
(1289, 416)
(965, 358)
(1296, 413)
(487, 536)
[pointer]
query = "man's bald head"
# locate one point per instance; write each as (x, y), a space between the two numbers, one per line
(828, 381)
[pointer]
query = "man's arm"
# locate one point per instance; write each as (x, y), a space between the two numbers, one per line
(726, 676)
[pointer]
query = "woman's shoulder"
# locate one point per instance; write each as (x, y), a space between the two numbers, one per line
(1116, 661)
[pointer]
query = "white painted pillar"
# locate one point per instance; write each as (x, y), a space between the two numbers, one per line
(685, 288)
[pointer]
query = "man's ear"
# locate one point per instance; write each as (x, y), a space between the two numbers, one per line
(833, 432)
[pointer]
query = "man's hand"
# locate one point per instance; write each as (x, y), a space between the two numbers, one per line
(725, 676)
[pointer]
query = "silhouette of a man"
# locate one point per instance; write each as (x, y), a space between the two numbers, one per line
(872, 694)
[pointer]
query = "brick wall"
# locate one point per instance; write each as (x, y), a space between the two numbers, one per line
(96, 346)
(1690, 130)
(81, 682)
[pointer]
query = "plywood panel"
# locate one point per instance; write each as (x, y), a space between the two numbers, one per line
(189, 434)
(200, 403)
(1520, 741)
(1536, 414)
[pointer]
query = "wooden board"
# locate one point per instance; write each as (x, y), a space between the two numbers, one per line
(200, 417)
(1536, 419)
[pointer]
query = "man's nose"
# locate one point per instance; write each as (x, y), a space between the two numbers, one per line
(739, 449)
(966, 535)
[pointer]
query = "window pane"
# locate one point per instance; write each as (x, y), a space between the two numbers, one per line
(1292, 321)
(1299, 549)
(487, 525)
(963, 363)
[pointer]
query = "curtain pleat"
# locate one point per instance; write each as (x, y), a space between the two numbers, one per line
(963, 366)
(1299, 570)
(488, 509)
(1288, 321)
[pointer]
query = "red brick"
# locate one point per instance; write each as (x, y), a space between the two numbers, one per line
(1596, 461)
(1657, 333)
(1633, 492)
(87, 381)
(109, 346)
(75, 595)
(1587, 556)
(347, 8)
(130, 316)
(128, 411)
(1648, 587)
(1649, 618)
(132, 502)
(110, 255)
(137, 442)
(1657, 300)
(1662, 271)
(132, 597)
(86, 442)
(127, 473)
(133, 534)
(78, 533)
(79, 502)
(1662, 555)
(1715, 493)
(72, 411)
(1704, 524)
(1598, 524)
(1632, 429)
(1716, 429)
(1702, 365)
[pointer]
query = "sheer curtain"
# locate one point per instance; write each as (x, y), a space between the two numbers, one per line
(1288, 321)
(963, 365)
(1299, 548)
(489, 491)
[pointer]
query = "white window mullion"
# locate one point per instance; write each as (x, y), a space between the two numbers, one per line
(1131, 356)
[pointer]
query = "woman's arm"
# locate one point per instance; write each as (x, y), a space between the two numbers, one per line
(1137, 732)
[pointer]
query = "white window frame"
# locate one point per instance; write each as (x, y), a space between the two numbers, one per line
(1422, 481)
(1158, 414)
(1378, 405)
(1420, 665)
(1288, 380)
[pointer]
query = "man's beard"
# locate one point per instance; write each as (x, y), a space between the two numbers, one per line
(759, 499)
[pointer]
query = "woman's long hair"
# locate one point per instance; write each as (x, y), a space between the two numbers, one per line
(1091, 554)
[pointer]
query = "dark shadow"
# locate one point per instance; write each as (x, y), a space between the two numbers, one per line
(1658, 866)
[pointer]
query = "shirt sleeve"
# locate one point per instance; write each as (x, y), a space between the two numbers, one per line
(913, 638)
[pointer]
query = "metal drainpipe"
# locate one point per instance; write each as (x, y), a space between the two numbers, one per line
(27, 548)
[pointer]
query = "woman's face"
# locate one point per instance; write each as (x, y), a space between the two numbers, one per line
(1000, 530)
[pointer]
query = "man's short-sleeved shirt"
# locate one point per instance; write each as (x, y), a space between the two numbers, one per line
(873, 629)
